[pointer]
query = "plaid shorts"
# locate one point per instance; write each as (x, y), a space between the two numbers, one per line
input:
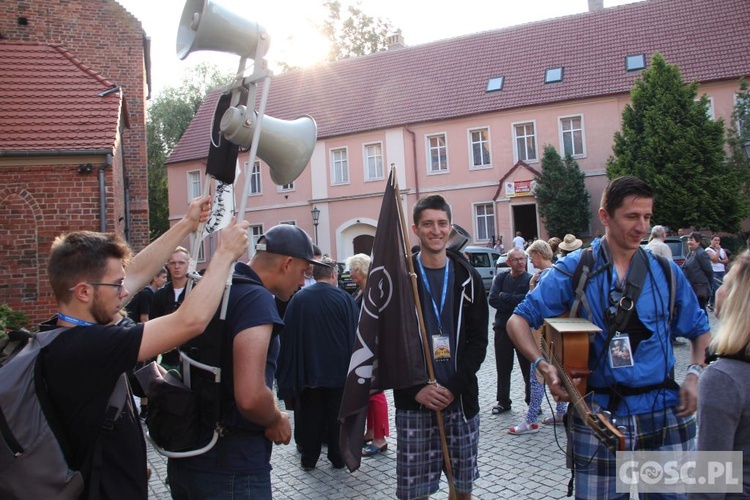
(420, 460)
(595, 469)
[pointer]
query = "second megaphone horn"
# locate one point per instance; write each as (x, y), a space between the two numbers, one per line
(285, 145)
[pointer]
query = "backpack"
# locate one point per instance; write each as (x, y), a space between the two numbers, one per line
(584, 271)
(183, 407)
(33, 460)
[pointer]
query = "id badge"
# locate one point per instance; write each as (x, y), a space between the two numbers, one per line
(620, 353)
(441, 347)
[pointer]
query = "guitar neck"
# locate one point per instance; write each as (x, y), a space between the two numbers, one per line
(599, 424)
(579, 404)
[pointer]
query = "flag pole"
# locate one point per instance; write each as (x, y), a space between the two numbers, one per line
(192, 274)
(423, 332)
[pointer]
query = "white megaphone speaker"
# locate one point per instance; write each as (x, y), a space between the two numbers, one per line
(208, 25)
(285, 145)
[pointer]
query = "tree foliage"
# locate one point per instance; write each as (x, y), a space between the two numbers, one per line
(169, 114)
(669, 141)
(355, 34)
(738, 134)
(561, 195)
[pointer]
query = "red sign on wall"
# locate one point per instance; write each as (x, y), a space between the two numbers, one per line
(519, 188)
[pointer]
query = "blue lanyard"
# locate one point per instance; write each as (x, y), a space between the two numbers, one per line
(438, 312)
(71, 319)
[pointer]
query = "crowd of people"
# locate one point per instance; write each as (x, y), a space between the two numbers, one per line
(289, 327)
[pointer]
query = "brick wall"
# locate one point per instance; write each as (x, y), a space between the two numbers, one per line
(37, 203)
(107, 38)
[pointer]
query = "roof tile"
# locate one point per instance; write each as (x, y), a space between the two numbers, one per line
(446, 79)
(49, 100)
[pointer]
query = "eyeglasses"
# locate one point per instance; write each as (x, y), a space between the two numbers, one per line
(519, 259)
(119, 286)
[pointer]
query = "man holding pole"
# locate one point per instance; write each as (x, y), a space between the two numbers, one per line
(455, 311)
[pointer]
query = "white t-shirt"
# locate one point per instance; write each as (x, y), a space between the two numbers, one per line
(718, 267)
(519, 242)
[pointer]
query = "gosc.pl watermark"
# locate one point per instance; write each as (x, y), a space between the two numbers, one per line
(679, 471)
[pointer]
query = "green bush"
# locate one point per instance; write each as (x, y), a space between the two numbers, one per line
(735, 245)
(11, 320)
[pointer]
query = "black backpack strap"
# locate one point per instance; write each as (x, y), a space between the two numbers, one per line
(667, 269)
(583, 272)
(580, 280)
(114, 409)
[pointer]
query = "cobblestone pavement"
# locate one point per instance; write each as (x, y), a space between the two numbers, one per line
(526, 466)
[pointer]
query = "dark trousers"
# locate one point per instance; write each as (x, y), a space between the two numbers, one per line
(317, 417)
(504, 349)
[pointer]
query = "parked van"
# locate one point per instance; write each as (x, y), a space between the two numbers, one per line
(483, 259)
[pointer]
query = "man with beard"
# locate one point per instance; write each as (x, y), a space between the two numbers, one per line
(87, 272)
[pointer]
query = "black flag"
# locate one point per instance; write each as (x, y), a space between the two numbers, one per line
(222, 154)
(388, 349)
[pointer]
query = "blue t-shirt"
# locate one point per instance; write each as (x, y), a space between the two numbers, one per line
(653, 357)
(246, 450)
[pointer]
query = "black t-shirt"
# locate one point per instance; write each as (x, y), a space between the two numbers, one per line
(81, 367)
(141, 304)
(164, 303)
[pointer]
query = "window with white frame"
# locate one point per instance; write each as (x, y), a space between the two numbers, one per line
(339, 166)
(709, 108)
(524, 141)
(484, 221)
(480, 148)
(289, 222)
(194, 185)
(571, 136)
(255, 231)
(742, 108)
(437, 152)
(201, 254)
(287, 187)
(373, 161)
(255, 185)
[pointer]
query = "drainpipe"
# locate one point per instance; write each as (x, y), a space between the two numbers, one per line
(414, 157)
(102, 194)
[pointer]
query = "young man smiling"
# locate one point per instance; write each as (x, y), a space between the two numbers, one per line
(455, 312)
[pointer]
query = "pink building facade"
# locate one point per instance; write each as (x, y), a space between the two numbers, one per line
(468, 119)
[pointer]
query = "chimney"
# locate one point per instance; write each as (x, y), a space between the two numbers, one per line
(595, 5)
(395, 41)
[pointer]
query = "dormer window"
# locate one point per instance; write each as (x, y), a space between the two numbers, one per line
(553, 75)
(635, 62)
(495, 84)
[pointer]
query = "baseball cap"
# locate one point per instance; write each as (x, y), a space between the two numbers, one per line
(286, 239)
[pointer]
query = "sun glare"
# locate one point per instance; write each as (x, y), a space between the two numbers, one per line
(303, 50)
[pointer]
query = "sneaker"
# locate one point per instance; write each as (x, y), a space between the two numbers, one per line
(144, 413)
(555, 419)
(524, 428)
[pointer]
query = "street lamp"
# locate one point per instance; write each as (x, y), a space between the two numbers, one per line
(316, 216)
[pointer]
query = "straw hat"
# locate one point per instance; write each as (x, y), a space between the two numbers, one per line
(570, 243)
